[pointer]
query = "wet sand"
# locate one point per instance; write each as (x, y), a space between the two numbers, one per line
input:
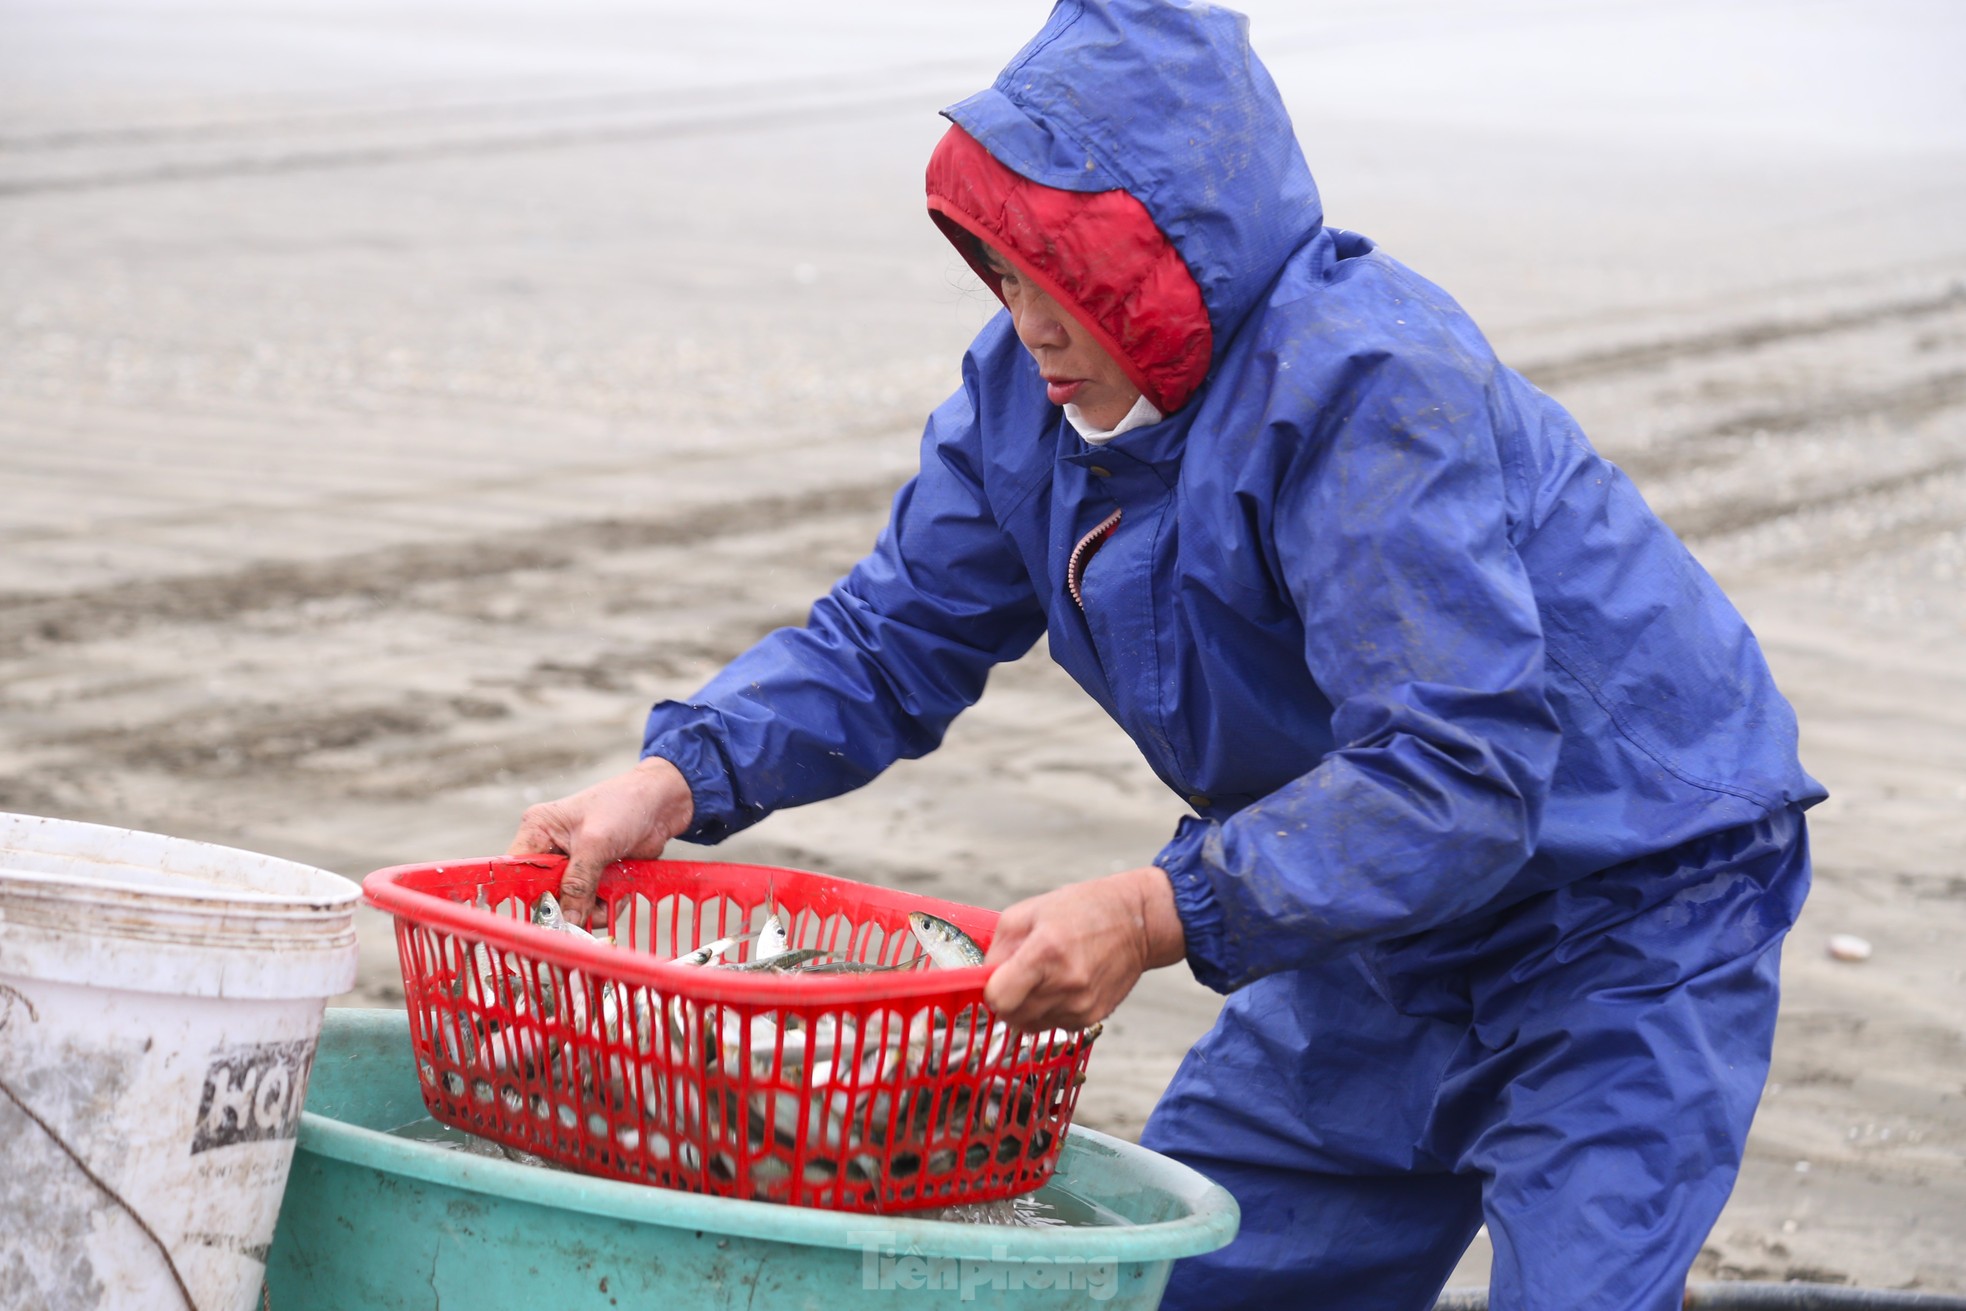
(391, 407)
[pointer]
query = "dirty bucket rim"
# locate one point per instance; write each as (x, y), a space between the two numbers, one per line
(125, 911)
(322, 891)
(1211, 1221)
(190, 900)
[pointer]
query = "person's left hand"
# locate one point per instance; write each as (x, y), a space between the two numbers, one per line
(1067, 958)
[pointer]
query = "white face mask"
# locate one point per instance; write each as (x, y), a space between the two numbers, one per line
(1142, 414)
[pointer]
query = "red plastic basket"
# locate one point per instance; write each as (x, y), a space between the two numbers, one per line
(875, 1092)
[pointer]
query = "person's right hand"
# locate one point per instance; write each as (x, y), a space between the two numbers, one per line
(631, 816)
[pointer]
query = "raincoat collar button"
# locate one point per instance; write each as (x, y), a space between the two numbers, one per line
(1124, 469)
(1198, 801)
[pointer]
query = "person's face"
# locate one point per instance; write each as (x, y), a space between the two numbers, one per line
(1076, 369)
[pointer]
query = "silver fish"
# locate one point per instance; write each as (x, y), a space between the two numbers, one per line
(847, 967)
(494, 979)
(948, 946)
(764, 1042)
(546, 913)
(771, 939)
(713, 951)
(785, 962)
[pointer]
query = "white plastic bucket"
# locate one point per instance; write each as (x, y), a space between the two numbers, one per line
(159, 1006)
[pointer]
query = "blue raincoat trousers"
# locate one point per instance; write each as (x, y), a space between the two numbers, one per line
(1497, 812)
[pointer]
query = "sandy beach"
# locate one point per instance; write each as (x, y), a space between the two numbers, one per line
(395, 400)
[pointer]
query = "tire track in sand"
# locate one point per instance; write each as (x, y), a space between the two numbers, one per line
(389, 576)
(1738, 338)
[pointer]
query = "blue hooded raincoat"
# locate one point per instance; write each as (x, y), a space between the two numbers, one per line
(1497, 810)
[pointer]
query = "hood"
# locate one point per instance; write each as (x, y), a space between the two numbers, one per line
(1097, 253)
(1165, 101)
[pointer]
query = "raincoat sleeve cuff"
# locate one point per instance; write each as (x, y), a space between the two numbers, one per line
(694, 750)
(1194, 901)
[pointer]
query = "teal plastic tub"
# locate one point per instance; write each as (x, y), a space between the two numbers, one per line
(374, 1222)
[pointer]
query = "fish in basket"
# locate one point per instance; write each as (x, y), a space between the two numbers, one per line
(737, 1030)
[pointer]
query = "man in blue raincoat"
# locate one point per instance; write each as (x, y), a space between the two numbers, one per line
(1497, 813)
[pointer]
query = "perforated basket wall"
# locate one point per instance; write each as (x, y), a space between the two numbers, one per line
(878, 1092)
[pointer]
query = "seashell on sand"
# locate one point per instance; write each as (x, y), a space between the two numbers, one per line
(1848, 947)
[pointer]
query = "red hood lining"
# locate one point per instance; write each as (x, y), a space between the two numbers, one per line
(947, 216)
(1155, 325)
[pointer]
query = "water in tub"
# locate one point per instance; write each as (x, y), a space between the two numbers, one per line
(1049, 1207)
